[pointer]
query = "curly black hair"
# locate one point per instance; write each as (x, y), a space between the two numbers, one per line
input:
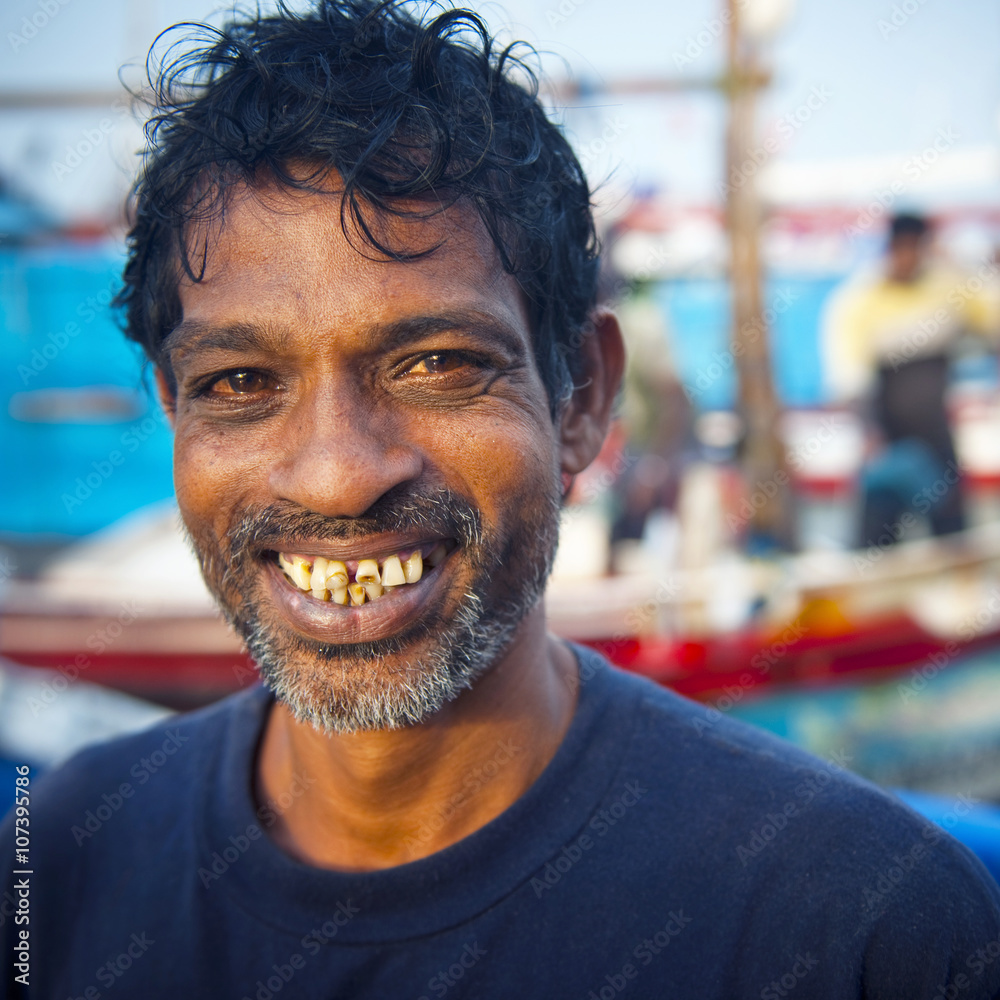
(404, 108)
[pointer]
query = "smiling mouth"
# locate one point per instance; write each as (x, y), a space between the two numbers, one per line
(356, 581)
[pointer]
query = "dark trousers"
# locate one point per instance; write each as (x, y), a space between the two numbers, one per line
(909, 408)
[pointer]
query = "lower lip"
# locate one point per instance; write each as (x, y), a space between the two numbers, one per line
(327, 621)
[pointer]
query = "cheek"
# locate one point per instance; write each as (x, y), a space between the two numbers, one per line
(208, 472)
(500, 461)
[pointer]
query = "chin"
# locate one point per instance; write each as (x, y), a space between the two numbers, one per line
(384, 685)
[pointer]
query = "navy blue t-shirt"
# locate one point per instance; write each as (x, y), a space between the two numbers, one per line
(663, 853)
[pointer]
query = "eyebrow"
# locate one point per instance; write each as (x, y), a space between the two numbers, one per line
(194, 335)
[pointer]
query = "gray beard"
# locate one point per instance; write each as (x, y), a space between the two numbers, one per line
(361, 692)
(351, 688)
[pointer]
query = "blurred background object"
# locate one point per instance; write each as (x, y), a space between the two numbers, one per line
(797, 515)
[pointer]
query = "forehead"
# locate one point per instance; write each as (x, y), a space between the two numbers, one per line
(281, 256)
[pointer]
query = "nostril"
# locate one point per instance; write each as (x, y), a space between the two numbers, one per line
(345, 477)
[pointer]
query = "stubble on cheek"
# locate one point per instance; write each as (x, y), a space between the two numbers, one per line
(229, 582)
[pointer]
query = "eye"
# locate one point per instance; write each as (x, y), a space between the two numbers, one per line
(241, 383)
(441, 363)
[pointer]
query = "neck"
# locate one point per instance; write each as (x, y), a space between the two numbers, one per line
(365, 801)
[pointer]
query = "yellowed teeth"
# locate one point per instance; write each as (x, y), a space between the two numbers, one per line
(328, 579)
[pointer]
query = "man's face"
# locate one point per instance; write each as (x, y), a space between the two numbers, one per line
(906, 256)
(333, 407)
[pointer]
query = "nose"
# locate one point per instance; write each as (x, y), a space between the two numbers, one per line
(338, 455)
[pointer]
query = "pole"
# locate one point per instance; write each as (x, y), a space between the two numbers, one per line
(763, 457)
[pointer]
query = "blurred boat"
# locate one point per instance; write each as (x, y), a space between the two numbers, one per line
(126, 607)
(90, 404)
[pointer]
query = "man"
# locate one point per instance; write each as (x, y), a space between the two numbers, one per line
(363, 265)
(889, 340)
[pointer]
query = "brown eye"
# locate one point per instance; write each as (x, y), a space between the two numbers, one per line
(241, 383)
(437, 364)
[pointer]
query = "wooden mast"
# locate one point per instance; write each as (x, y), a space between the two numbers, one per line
(763, 457)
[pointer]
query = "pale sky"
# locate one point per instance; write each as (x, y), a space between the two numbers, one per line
(891, 85)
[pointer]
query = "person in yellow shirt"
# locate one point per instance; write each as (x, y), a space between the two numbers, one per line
(888, 340)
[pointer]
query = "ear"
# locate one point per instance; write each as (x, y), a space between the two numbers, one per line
(167, 393)
(584, 421)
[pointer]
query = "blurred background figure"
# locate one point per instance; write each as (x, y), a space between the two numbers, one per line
(890, 337)
(657, 420)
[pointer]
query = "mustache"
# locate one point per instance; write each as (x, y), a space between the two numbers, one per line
(437, 512)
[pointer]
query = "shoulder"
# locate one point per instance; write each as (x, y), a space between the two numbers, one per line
(171, 758)
(757, 833)
(700, 730)
(692, 748)
(769, 809)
